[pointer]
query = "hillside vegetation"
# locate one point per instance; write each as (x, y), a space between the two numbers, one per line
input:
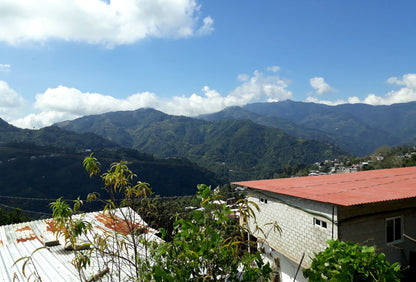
(33, 171)
(233, 149)
(356, 128)
(53, 136)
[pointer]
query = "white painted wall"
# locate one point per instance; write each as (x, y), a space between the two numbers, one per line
(299, 234)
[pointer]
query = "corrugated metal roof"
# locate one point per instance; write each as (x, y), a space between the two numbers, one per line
(54, 263)
(345, 189)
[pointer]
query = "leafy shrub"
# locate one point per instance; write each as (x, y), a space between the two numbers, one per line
(348, 261)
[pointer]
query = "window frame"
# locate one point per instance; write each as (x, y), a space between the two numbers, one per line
(320, 223)
(393, 219)
(262, 200)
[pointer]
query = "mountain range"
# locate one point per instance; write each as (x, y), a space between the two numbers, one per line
(47, 163)
(251, 141)
(233, 149)
(358, 129)
(238, 143)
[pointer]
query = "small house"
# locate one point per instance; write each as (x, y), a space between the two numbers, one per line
(376, 207)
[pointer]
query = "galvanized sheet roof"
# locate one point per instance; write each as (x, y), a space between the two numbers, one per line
(54, 263)
(345, 189)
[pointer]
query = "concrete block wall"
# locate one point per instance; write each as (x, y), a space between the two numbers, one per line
(296, 219)
(366, 224)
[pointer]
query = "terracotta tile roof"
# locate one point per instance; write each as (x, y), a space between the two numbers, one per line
(345, 189)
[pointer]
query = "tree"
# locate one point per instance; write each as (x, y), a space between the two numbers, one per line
(208, 245)
(348, 261)
(211, 246)
(10, 217)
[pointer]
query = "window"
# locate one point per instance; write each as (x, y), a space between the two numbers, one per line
(320, 223)
(394, 230)
(263, 200)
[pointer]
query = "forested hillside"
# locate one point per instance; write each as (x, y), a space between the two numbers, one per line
(53, 136)
(28, 170)
(233, 149)
(356, 128)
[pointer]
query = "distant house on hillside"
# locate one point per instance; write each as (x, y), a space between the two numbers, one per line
(54, 262)
(375, 207)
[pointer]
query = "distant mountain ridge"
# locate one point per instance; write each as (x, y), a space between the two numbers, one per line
(47, 163)
(356, 128)
(53, 136)
(287, 126)
(234, 149)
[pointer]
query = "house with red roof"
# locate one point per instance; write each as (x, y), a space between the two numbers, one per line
(376, 207)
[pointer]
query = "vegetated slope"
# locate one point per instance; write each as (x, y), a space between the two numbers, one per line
(53, 136)
(234, 149)
(29, 170)
(356, 128)
(397, 119)
(291, 128)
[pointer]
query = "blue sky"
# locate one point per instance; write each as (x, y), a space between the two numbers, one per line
(64, 59)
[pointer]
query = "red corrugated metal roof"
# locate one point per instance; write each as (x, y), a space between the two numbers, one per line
(345, 189)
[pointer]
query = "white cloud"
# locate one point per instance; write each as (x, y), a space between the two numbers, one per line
(350, 100)
(207, 28)
(273, 68)
(8, 97)
(260, 87)
(395, 80)
(4, 67)
(62, 103)
(74, 102)
(409, 80)
(243, 77)
(403, 95)
(94, 21)
(42, 119)
(320, 86)
(10, 101)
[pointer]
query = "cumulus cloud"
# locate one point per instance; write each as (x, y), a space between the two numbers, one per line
(77, 103)
(4, 67)
(320, 86)
(42, 119)
(62, 103)
(110, 23)
(404, 95)
(260, 87)
(8, 97)
(10, 101)
(409, 80)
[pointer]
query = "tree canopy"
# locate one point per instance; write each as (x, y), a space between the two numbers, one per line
(348, 261)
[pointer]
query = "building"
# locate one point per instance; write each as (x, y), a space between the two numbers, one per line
(54, 263)
(375, 207)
